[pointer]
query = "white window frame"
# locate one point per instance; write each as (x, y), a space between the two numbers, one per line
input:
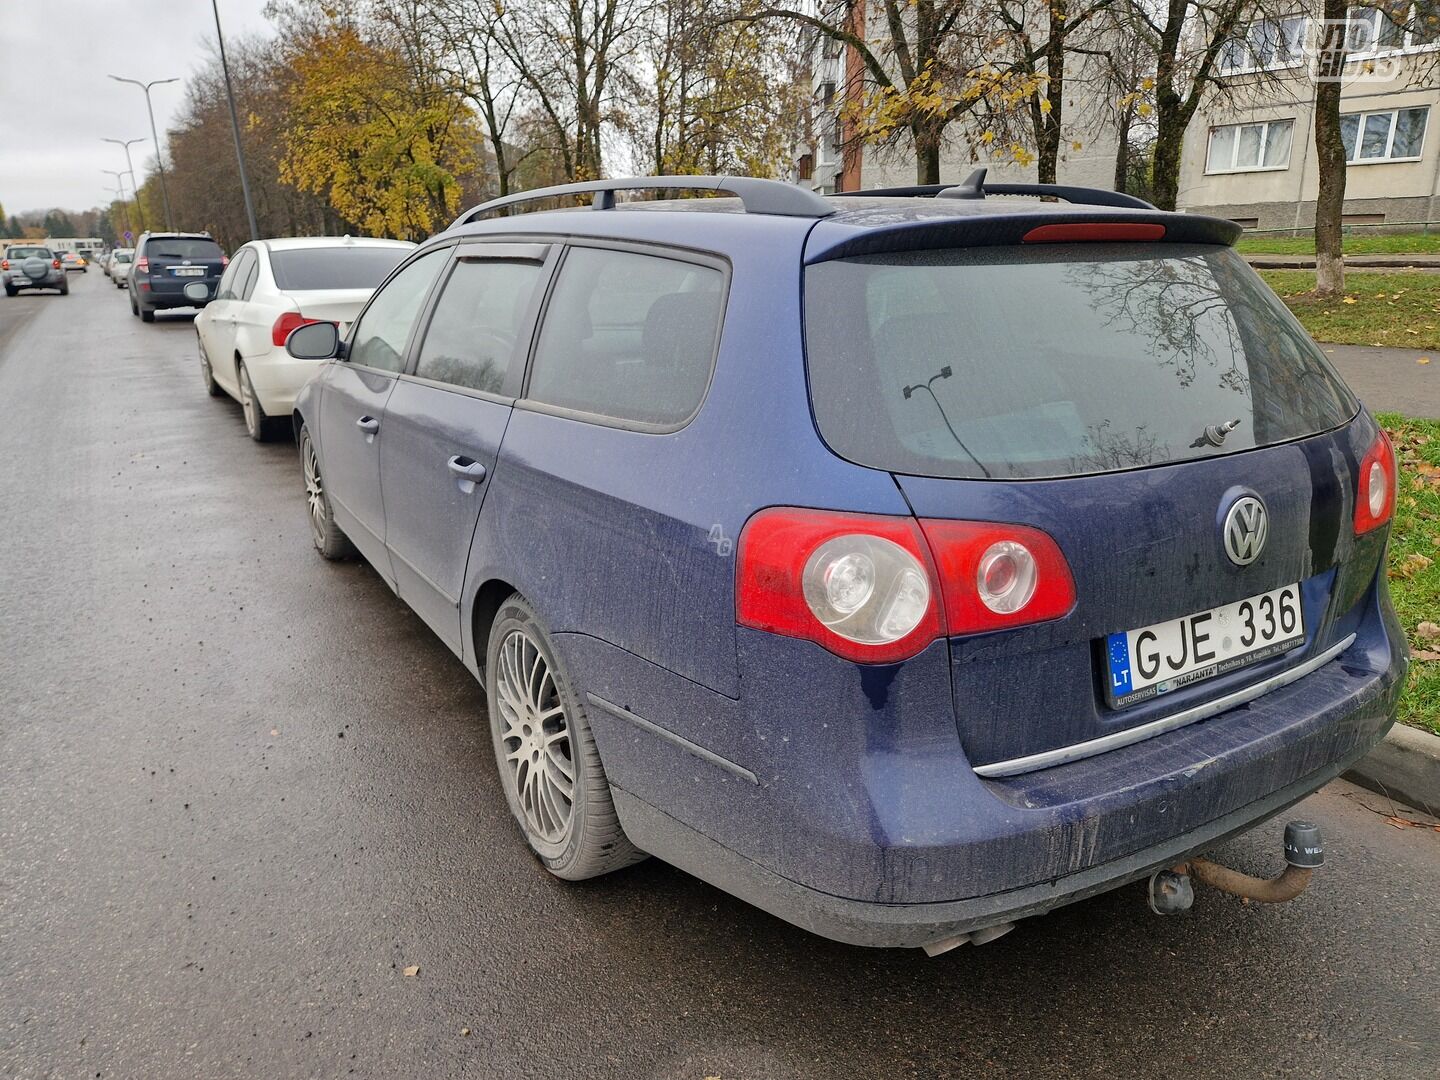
(1394, 115)
(1294, 45)
(1408, 46)
(1265, 125)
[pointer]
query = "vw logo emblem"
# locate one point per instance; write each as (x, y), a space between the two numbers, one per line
(1246, 528)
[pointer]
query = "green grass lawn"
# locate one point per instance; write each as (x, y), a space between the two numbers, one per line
(1354, 244)
(1400, 308)
(1415, 562)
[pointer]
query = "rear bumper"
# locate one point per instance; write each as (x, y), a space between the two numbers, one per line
(879, 925)
(278, 377)
(863, 821)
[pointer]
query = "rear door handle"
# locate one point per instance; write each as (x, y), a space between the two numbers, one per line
(368, 424)
(466, 469)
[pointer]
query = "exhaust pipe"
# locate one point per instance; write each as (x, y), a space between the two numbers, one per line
(1171, 890)
(974, 937)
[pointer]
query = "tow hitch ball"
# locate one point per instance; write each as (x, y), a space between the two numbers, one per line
(1172, 891)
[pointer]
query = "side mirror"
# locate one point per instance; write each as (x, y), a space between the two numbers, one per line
(314, 341)
(198, 291)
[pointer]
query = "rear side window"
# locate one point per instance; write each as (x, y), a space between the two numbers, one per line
(1057, 360)
(123, 257)
(182, 247)
(477, 321)
(629, 336)
(334, 267)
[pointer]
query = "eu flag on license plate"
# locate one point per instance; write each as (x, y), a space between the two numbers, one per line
(1117, 648)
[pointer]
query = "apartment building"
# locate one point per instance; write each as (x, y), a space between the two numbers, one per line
(1250, 151)
(829, 158)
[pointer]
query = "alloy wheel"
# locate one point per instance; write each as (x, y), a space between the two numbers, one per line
(538, 757)
(247, 402)
(314, 491)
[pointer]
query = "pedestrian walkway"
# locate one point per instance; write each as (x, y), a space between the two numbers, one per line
(1429, 261)
(1390, 380)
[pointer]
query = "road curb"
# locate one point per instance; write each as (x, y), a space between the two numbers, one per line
(1405, 766)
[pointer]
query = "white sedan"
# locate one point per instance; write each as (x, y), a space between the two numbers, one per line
(270, 288)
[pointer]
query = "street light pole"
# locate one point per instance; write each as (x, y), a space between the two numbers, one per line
(235, 125)
(134, 183)
(124, 203)
(155, 138)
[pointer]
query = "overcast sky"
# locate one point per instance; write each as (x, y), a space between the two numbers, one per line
(51, 124)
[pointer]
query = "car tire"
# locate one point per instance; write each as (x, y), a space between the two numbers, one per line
(65, 289)
(543, 720)
(207, 374)
(258, 426)
(329, 539)
(11, 292)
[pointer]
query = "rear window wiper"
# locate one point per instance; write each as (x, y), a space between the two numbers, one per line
(1214, 434)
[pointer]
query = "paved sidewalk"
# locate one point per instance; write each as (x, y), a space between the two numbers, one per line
(1390, 380)
(1352, 262)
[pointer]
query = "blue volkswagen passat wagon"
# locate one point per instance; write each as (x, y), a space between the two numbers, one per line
(904, 563)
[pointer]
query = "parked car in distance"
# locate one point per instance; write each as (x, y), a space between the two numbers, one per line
(118, 266)
(32, 266)
(74, 263)
(906, 563)
(164, 264)
(270, 288)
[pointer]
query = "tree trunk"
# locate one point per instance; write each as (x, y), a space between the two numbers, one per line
(1047, 138)
(1122, 151)
(927, 152)
(1330, 155)
(1169, 140)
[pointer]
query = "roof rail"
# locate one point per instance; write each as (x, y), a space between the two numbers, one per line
(756, 195)
(974, 187)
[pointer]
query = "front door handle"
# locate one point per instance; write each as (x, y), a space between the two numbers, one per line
(467, 470)
(368, 424)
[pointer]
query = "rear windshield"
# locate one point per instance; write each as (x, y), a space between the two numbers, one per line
(28, 253)
(1057, 360)
(170, 247)
(334, 268)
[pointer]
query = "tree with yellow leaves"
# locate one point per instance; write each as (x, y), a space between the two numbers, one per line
(375, 131)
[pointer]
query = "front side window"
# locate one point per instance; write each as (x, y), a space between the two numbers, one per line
(1057, 360)
(478, 321)
(380, 336)
(1393, 135)
(629, 336)
(1245, 147)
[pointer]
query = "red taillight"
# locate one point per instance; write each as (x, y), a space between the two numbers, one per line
(4, 264)
(994, 576)
(879, 589)
(868, 580)
(56, 264)
(1375, 492)
(224, 261)
(1091, 231)
(142, 264)
(286, 325)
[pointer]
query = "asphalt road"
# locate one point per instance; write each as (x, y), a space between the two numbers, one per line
(241, 790)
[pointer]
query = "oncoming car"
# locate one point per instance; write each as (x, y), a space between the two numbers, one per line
(270, 288)
(905, 563)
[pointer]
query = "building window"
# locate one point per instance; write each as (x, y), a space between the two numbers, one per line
(805, 167)
(826, 94)
(1249, 147)
(1393, 26)
(1264, 46)
(1394, 135)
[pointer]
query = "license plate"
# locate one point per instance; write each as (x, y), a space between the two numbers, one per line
(188, 271)
(1157, 659)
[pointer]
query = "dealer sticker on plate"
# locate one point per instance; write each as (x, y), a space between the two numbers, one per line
(1157, 659)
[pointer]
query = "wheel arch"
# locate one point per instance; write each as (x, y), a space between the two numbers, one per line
(488, 599)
